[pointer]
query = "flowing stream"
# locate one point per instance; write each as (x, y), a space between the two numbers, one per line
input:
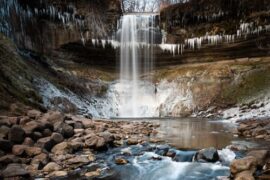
(184, 137)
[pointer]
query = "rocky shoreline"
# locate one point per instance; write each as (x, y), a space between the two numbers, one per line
(258, 129)
(255, 164)
(54, 144)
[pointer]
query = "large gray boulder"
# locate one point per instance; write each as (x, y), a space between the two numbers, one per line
(207, 155)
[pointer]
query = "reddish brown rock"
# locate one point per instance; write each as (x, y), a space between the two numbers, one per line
(132, 141)
(244, 175)
(40, 160)
(33, 151)
(261, 156)
(120, 161)
(248, 163)
(57, 138)
(52, 166)
(19, 150)
(45, 143)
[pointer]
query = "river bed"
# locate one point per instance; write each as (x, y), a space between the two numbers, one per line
(182, 136)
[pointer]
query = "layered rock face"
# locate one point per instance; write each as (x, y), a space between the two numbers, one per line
(193, 88)
(72, 59)
(197, 18)
(41, 26)
(216, 30)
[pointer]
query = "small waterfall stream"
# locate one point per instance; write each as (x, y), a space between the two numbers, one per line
(136, 58)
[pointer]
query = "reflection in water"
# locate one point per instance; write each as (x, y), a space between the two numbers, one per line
(197, 133)
(191, 133)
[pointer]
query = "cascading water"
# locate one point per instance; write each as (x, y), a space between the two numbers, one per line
(136, 57)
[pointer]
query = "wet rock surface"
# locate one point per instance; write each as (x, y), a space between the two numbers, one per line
(81, 147)
(255, 163)
(53, 144)
(207, 155)
(257, 129)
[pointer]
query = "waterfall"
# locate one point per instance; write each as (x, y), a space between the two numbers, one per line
(136, 58)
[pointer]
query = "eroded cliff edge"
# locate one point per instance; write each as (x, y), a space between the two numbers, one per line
(75, 75)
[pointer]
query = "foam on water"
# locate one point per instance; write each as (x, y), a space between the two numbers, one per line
(166, 169)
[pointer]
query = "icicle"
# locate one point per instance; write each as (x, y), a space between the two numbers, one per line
(103, 42)
(94, 42)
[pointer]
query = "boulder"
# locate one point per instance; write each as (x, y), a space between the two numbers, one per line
(32, 126)
(33, 151)
(132, 141)
(207, 155)
(92, 174)
(259, 131)
(120, 161)
(45, 143)
(15, 170)
(162, 150)
(244, 175)
(78, 125)
(260, 155)
(52, 166)
(96, 142)
(4, 130)
(76, 145)
(57, 138)
(101, 144)
(78, 160)
(53, 117)
(66, 130)
(108, 137)
(62, 148)
(237, 147)
(16, 134)
(8, 159)
(58, 174)
(46, 133)
(36, 135)
(19, 150)
(40, 160)
(25, 120)
(91, 157)
(118, 143)
(79, 132)
(14, 120)
(28, 141)
(5, 145)
(33, 168)
(92, 141)
(171, 153)
(248, 163)
(87, 123)
(33, 114)
(4, 121)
